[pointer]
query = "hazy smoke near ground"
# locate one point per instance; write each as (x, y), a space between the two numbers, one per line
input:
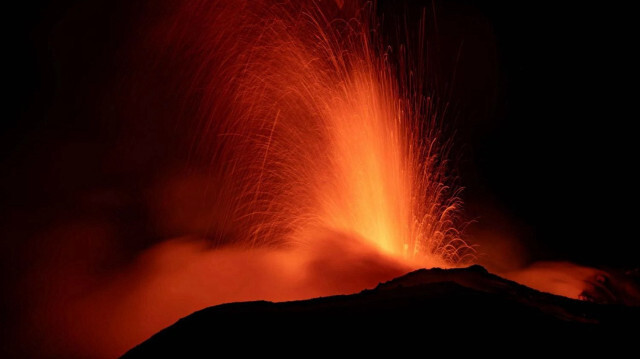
(74, 313)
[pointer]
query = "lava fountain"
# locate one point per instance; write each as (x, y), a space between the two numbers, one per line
(321, 128)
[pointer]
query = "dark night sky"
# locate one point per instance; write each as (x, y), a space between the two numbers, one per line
(543, 96)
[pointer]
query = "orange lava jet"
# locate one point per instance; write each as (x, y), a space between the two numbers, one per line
(320, 128)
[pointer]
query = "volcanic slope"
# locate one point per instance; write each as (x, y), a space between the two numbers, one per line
(420, 307)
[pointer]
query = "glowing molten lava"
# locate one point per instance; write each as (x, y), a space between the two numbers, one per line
(319, 130)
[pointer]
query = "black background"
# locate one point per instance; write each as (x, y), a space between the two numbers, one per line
(544, 96)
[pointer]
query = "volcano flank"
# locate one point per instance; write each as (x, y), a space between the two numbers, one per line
(422, 305)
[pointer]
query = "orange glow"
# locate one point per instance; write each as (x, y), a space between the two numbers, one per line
(322, 131)
(559, 278)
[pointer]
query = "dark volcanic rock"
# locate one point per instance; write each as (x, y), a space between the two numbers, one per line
(424, 307)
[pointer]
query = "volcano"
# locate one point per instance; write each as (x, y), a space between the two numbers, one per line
(421, 306)
(275, 160)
